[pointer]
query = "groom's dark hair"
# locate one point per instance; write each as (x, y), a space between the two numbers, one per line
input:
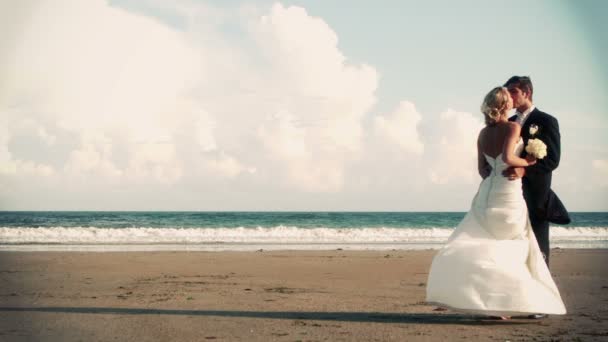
(523, 83)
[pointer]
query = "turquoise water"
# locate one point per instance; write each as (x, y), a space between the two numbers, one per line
(255, 219)
(250, 230)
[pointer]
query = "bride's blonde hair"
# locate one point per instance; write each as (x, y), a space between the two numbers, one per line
(495, 105)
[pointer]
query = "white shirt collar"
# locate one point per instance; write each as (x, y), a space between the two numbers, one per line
(523, 116)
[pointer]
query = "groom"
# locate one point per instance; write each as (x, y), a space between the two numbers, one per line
(543, 204)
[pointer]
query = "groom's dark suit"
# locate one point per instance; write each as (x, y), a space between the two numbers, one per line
(543, 204)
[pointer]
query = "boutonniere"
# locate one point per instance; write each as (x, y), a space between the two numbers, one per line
(533, 129)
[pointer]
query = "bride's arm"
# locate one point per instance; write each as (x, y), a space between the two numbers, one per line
(508, 150)
(482, 164)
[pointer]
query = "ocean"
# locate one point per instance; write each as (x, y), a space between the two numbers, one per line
(250, 231)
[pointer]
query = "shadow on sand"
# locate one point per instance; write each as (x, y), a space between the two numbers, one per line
(378, 317)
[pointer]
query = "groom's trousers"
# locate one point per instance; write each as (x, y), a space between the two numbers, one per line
(537, 187)
(541, 231)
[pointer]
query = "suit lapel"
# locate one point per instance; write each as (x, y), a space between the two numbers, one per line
(525, 129)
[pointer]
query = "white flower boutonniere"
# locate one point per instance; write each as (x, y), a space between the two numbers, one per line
(533, 129)
(537, 148)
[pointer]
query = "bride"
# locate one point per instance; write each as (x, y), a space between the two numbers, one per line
(492, 264)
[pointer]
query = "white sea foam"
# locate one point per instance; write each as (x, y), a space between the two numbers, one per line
(280, 234)
(281, 237)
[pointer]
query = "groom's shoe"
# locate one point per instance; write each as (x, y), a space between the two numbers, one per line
(538, 316)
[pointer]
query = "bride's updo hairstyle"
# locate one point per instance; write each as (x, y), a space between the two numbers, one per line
(495, 105)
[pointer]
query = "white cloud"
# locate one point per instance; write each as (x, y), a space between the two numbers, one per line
(317, 83)
(5, 154)
(92, 66)
(400, 127)
(315, 126)
(319, 175)
(26, 168)
(100, 71)
(9, 165)
(303, 161)
(156, 161)
(150, 103)
(92, 160)
(282, 138)
(226, 166)
(454, 152)
(600, 172)
(227, 99)
(204, 126)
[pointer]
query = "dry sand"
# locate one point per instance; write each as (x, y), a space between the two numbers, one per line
(269, 296)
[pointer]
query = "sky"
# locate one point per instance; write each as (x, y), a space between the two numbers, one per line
(286, 106)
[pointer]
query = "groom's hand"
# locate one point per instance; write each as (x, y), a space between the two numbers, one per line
(485, 171)
(514, 173)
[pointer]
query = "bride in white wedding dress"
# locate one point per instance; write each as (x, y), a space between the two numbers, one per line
(492, 264)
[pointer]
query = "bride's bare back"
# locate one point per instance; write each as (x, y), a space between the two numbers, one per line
(500, 139)
(492, 139)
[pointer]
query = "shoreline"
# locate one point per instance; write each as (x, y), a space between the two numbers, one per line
(256, 247)
(335, 295)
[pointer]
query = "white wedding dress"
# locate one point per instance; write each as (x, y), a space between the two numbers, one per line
(492, 264)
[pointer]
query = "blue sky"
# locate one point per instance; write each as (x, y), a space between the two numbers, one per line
(458, 50)
(294, 105)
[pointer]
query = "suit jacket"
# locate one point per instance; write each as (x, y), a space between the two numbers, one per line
(542, 202)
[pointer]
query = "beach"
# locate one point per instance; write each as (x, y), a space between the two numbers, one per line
(333, 295)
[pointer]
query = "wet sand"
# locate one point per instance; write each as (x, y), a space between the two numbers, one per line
(269, 296)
